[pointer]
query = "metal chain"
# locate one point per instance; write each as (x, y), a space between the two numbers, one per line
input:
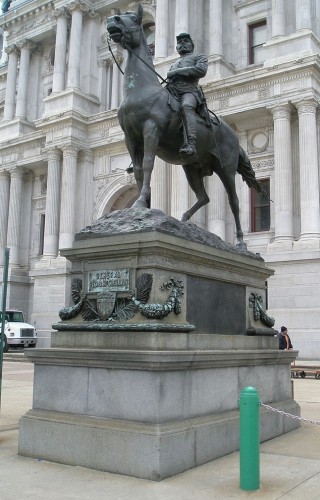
(308, 420)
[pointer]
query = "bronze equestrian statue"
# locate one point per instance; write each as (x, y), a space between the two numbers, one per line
(151, 120)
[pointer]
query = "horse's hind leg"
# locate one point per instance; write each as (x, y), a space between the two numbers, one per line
(195, 181)
(228, 181)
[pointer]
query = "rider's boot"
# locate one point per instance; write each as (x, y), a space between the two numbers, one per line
(190, 125)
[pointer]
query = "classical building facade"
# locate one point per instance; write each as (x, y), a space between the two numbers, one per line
(63, 159)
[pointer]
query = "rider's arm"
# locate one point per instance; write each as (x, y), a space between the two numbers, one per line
(198, 70)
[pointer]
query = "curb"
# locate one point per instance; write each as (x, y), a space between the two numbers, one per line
(15, 356)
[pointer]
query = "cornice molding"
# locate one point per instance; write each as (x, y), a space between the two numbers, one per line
(28, 19)
(262, 85)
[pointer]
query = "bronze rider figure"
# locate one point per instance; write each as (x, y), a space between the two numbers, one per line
(183, 78)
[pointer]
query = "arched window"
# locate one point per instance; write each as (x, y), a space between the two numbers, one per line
(149, 31)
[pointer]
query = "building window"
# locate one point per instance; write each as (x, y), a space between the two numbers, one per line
(41, 231)
(257, 38)
(260, 208)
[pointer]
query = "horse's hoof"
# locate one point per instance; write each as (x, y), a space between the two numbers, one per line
(184, 218)
(140, 204)
(241, 245)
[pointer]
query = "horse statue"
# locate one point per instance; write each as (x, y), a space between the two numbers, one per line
(151, 120)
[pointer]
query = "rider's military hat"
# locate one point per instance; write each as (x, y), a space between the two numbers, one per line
(184, 35)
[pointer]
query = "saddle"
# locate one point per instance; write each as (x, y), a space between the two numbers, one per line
(202, 111)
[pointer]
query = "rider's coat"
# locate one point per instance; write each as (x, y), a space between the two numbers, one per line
(196, 67)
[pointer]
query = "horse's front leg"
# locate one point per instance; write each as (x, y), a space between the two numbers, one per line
(151, 138)
(136, 154)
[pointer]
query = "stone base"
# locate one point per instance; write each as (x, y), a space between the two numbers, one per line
(157, 340)
(70, 99)
(147, 366)
(150, 414)
(15, 128)
(141, 450)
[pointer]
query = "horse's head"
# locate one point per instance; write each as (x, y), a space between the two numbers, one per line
(126, 28)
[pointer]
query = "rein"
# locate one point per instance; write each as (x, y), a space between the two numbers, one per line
(115, 60)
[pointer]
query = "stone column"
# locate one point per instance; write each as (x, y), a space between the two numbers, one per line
(216, 209)
(309, 172)
(9, 104)
(14, 217)
(51, 232)
(278, 18)
(60, 53)
(182, 17)
(25, 47)
(85, 189)
(34, 89)
(160, 186)
(90, 36)
(162, 25)
(318, 135)
(77, 9)
(68, 189)
(283, 175)
(109, 85)
(103, 84)
(115, 83)
(179, 192)
(4, 210)
(303, 15)
(215, 27)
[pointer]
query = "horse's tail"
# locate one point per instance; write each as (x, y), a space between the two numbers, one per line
(247, 173)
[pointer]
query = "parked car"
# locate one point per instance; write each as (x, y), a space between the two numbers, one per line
(16, 331)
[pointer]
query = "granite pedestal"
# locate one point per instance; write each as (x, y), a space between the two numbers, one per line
(152, 397)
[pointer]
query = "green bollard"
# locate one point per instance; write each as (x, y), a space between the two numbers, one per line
(249, 439)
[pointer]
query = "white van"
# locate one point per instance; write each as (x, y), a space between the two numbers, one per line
(16, 331)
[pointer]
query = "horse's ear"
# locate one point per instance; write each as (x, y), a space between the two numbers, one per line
(139, 13)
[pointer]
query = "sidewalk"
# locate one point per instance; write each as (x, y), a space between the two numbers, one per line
(290, 464)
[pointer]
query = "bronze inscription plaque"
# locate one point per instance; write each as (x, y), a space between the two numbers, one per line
(111, 280)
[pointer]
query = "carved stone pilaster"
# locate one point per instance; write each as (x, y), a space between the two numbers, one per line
(4, 207)
(25, 43)
(77, 5)
(12, 49)
(14, 218)
(309, 171)
(94, 16)
(67, 207)
(61, 12)
(51, 236)
(309, 106)
(25, 46)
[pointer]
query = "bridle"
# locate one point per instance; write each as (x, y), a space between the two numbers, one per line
(132, 30)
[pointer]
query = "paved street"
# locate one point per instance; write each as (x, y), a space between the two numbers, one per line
(290, 464)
